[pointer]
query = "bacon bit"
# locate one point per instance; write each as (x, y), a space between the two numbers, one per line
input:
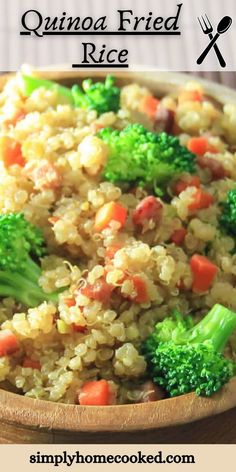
(31, 363)
(182, 185)
(180, 285)
(148, 208)
(100, 290)
(18, 116)
(201, 201)
(69, 302)
(150, 392)
(164, 120)
(190, 96)
(43, 174)
(53, 220)
(217, 170)
(178, 236)
(149, 105)
(78, 328)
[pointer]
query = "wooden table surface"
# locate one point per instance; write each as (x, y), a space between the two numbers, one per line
(220, 429)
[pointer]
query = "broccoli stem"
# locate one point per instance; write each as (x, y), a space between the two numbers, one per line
(32, 83)
(217, 326)
(32, 270)
(23, 290)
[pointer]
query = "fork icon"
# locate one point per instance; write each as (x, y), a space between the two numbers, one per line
(207, 28)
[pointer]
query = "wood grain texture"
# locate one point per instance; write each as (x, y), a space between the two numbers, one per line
(185, 419)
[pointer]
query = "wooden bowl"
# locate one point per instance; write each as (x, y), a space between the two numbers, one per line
(25, 420)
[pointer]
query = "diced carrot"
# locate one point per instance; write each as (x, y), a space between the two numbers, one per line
(109, 212)
(111, 251)
(200, 145)
(78, 328)
(11, 152)
(190, 96)
(95, 392)
(216, 168)
(181, 185)
(8, 342)
(148, 208)
(178, 236)
(204, 272)
(53, 219)
(69, 302)
(201, 200)
(149, 105)
(100, 290)
(180, 284)
(140, 287)
(31, 363)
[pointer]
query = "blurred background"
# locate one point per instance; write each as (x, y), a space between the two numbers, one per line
(225, 78)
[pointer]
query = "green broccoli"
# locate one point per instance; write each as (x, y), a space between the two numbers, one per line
(184, 359)
(19, 273)
(31, 83)
(102, 97)
(228, 216)
(148, 159)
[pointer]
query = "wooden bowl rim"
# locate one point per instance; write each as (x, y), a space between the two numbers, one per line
(34, 413)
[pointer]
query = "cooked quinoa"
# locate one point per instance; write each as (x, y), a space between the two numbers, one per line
(60, 188)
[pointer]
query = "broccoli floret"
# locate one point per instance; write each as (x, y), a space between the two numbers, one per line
(102, 97)
(137, 155)
(183, 359)
(20, 242)
(228, 216)
(30, 84)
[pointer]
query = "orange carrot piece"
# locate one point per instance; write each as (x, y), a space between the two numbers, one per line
(111, 211)
(149, 105)
(204, 272)
(8, 342)
(201, 200)
(200, 145)
(95, 392)
(11, 152)
(69, 302)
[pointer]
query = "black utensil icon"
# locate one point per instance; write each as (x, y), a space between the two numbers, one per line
(222, 27)
(207, 28)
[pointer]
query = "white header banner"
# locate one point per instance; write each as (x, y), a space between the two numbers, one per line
(188, 35)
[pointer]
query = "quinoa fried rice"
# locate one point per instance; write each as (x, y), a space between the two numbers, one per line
(60, 189)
